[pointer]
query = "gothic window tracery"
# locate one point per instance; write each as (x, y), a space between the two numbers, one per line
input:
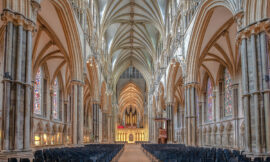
(227, 93)
(38, 93)
(209, 100)
(55, 100)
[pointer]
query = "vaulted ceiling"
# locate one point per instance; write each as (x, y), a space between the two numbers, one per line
(131, 30)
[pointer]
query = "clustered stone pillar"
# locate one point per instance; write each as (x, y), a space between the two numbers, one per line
(255, 82)
(182, 127)
(95, 129)
(169, 111)
(110, 127)
(245, 92)
(17, 82)
(28, 94)
(105, 127)
(77, 112)
(150, 121)
(190, 115)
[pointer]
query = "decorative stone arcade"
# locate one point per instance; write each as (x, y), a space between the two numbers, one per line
(255, 78)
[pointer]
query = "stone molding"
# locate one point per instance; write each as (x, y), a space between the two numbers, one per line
(255, 28)
(18, 19)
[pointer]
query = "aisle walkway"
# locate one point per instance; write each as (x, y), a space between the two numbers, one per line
(133, 153)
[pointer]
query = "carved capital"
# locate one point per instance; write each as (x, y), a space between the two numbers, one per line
(239, 19)
(17, 19)
(255, 28)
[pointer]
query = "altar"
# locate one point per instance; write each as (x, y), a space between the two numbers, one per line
(131, 135)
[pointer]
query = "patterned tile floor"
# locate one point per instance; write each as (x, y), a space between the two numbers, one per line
(133, 153)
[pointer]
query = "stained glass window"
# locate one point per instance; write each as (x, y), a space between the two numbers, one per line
(209, 100)
(228, 93)
(55, 108)
(37, 92)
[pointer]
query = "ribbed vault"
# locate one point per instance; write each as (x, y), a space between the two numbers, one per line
(131, 96)
(131, 30)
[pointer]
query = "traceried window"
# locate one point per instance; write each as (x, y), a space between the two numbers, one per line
(55, 105)
(209, 100)
(228, 94)
(38, 92)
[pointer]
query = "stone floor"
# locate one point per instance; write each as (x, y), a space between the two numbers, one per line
(133, 153)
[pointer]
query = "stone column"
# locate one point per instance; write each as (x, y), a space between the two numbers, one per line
(100, 117)
(90, 122)
(245, 93)
(17, 82)
(266, 92)
(185, 117)
(190, 114)
(235, 115)
(96, 121)
(28, 94)
(65, 119)
(193, 116)
(169, 110)
(17, 75)
(200, 123)
(69, 109)
(74, 114)
(256, 93)
(255, 80)
(175, 122)
(7, 85)
(80, 114)
(182, 112)
(203, 108)
(109, 128)
(17, 140)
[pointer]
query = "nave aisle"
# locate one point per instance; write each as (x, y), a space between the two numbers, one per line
(133, 153)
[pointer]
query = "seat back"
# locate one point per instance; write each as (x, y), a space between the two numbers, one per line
(12, 160)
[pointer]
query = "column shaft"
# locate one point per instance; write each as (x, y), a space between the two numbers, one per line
(235, 115)
(256, 95)
(170, 122)
(28, 93)
(17, 141)
(80, 113)
(186, 119)
(74, 115)
(6, 88)
(266, 96)
(99, 124)
(200, 123)
(245, 94)
(194, 116)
